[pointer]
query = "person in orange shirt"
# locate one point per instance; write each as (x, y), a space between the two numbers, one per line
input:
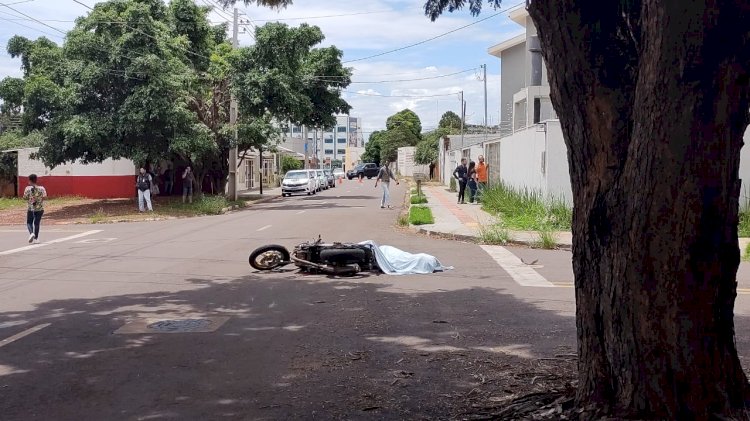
(482, 177)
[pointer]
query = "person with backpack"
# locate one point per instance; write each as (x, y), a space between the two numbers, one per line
(34, 195)
(143, 184)
(384, 178)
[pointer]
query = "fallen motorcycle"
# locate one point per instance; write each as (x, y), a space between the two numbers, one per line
(338, 259)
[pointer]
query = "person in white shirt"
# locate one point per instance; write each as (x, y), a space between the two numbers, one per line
(34, 195)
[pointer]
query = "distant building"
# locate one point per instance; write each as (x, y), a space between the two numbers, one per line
(327, 147)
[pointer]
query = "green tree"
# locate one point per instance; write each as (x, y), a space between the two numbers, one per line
(289, 163)
(402, 129)
(450, 120)
(428, 148)
(406, 119)
(372, 147)
(653, 104)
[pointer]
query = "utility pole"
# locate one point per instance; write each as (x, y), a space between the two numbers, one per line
(304, 137)
(463, 116)
(232, 188)
(484, 69)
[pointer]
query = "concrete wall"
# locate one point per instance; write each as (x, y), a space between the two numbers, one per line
(558, 174)
(405, 165)
(109, 179)
(353, 155)
(513, 79)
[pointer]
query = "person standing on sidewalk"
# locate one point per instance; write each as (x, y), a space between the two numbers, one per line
(482, 177)
(187, 184)
(471, 183)
(384, 178)
(143, 183)
(461, 173)
(34, 194)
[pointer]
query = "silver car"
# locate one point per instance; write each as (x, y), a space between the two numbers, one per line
(323, 179)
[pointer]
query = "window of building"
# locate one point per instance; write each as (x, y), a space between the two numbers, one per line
(341, 140)
(329, 151)
(296, 129)
(329, 140)
(341, 151)
(341, 129)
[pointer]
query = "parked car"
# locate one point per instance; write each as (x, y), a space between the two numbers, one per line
(368, 170)
(338, 173)
(331, 179)
(323, 180)
(299, 181)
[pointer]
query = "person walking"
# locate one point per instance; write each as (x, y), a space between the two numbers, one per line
(482, 177)
(168, 180)
(461, 173)
(143, 183)
(385, 175)
(34, 195)
(187, 184)
(471, 183)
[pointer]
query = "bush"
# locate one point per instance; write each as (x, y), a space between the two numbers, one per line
(418, 200)
(496, 235)
(527, 209)
(744, 227)
(290, 163)
(452, 185)
(420, 215)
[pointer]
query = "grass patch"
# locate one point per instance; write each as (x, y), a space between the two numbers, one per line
(205, 205)
(744, 226)
(547, 239)
(403, 220)
(746, 256)
(496, 235)
(10, 203)
(99, 216)
(527, 209)
(418, 200)
(420, 215)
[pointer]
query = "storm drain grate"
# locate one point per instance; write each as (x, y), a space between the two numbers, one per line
(188, 325)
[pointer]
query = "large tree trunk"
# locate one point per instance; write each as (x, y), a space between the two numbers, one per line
(652, 97)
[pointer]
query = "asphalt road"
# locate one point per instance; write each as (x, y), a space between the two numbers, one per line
(73, 311)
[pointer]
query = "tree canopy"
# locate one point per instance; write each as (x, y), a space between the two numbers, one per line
(450, 120)
(145, 80)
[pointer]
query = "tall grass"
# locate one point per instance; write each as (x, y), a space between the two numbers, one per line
(527, 209)
(496, 235)
(416, 200)
(205, 205)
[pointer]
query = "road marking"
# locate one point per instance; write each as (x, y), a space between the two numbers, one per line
(25, 333)
(518, 270)
(46, 243)
(264, 228)
(96, 240)
(323, 203)
(301, 212)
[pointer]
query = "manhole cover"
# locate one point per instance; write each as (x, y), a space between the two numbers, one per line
(186, 325)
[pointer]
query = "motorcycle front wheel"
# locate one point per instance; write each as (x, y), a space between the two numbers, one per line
(269, 257)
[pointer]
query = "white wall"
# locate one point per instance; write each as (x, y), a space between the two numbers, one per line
(405, 165)
(558, 175)
(27, 166)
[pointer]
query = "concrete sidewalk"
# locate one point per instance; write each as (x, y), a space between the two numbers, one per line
(464, 222)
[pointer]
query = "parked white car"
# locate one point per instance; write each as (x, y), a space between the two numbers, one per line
(300, 181)
(323, 179)
(338, 173)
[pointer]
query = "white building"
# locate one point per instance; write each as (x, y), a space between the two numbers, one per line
(330, 147)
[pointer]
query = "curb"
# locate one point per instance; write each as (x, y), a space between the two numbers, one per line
(474, 239)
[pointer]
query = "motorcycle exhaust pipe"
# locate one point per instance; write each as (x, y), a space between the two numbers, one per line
(324, 268)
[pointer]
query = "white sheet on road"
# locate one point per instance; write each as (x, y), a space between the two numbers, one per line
(393, 261)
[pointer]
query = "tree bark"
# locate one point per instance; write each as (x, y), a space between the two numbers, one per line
(652, 97)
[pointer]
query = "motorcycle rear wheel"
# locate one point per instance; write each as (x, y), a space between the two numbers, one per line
(269, 257)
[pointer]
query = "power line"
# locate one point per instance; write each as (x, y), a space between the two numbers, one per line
(435, 37)
(327, 78)
(323, 16)
(33, 18)
(32, 28)
(400, 96)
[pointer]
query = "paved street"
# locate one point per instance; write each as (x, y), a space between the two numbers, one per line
(280, 345)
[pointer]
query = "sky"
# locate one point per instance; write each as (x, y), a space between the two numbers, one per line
(445, 66)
